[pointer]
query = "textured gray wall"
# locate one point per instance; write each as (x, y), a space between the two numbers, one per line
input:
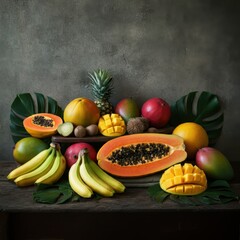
(164, 48)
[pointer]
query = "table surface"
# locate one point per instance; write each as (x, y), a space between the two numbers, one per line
(134, 199)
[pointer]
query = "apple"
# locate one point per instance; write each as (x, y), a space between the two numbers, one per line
(157, 111)
(71, 153)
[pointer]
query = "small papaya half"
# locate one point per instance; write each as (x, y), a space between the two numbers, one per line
(41, 125)
(141, 154)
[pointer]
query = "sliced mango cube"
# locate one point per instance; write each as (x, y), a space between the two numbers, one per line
(178, 171)
(108, 123)
(187, 168)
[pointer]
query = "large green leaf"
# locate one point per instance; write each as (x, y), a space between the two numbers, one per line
(26, 104)
(217, 192)
(203, 108)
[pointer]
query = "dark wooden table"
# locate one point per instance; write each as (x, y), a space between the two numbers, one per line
(130, 215)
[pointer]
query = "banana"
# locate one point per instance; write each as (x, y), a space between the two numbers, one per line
(114, 183)
(29, 178)
(92, 180)
(30, 165)
(76, 182)
(56, 171)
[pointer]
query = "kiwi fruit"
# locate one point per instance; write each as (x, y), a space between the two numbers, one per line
(80, 131)
(92, 130)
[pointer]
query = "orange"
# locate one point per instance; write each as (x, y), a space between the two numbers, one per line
(194, 136)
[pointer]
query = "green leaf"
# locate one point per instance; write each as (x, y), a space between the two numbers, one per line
(60, 192)
(41, 103)
(203, 108)
(16, 127)
(184, 200)
(48, 196)
(218, 183)
(157, 193)
(66, 190)
(218, 192)
(25, 105)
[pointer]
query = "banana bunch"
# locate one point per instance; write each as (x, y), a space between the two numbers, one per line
(86, 177)
(46, 167)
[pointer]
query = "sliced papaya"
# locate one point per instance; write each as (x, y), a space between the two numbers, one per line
(41, 125)
(141, 154)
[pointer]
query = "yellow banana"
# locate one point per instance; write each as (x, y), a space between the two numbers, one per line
(29, 178)
(76, 182)
(114, 183)
(92, 180)
(30, 165)
(56, 171)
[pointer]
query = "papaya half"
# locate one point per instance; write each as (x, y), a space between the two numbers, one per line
(141, 154)
(41, 125)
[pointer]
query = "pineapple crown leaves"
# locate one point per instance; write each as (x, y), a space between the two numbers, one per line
(101, 83)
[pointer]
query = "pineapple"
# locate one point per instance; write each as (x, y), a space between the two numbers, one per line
(101, 83)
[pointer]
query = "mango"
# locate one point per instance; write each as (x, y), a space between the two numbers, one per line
(214, 163)
(183, 180)
(112, 125)
(127, 108)
(28, 147)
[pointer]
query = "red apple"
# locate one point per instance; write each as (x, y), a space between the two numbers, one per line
(157, 111)
(71, 153)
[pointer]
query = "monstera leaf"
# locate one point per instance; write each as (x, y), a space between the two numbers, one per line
(25, 105)
(203, 108)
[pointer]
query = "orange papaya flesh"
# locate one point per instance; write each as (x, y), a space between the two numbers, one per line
(41, 125)
(147, 153)
(183, 180)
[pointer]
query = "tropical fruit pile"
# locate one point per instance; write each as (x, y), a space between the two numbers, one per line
(143, 140)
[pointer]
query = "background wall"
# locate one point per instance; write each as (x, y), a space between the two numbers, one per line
(164, 48)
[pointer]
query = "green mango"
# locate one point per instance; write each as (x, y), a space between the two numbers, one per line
(26, 148)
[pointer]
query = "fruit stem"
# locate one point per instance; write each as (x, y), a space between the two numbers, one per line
(57, 146)
(53, 145)
(82, 153)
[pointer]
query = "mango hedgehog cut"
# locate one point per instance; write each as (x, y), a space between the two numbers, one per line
(183, 180)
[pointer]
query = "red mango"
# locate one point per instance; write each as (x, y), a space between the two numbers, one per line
(127, 108)
(214, 163)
